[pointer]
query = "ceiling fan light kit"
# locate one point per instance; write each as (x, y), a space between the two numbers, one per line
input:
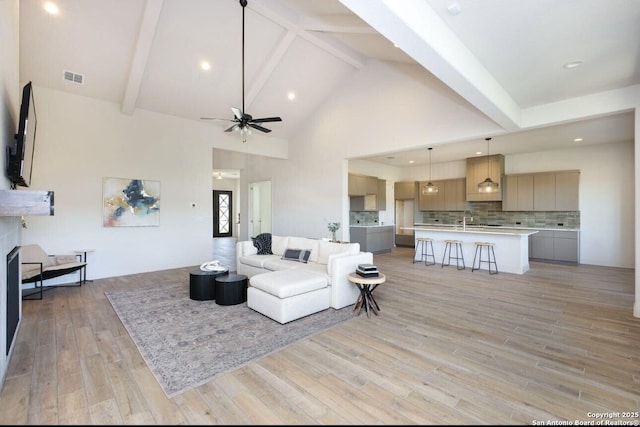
(488, 185)
(242, 121)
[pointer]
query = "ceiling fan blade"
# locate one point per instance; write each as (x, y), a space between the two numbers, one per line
(232, 128)
(237, 112)
(260, 128)
(267, 119)
(215, 118)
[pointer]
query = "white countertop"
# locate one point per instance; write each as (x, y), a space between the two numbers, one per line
(372, 225)
(517, 227)
(472, 230)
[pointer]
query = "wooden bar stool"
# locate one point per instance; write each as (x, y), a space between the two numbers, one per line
(459, 255)
(426, 244)
(490, 259)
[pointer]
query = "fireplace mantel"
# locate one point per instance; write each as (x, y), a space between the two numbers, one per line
(26, 203)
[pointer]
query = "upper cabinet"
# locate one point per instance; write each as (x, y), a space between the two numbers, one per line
(450, 196)
(381, 196)
(567, 190)
(544, 191)
(518, 193)
(478, 169)
(404, 190)
(367, 193)
(360, 185)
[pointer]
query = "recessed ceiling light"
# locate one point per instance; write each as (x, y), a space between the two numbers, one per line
(454, 8)
(291, 96)
(577, 140)
(478, 153)
(51, 8)
(205, 65)
(410, 161)
(572, 64)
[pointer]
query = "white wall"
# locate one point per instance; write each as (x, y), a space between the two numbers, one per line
(79, 142)
(84, 140)
(383, 107)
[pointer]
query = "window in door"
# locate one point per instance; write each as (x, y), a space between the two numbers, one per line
(222, 213)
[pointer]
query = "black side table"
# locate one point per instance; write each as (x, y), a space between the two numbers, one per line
(202, 284)
(231, 289)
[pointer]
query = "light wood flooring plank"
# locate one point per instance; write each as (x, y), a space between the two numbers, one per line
(448, 347)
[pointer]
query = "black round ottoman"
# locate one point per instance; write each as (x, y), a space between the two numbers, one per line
(231, 289)
(201, 284)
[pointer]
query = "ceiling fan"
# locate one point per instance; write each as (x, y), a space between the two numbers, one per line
(242, 121)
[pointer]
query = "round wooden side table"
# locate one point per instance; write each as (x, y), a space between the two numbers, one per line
(366, 286)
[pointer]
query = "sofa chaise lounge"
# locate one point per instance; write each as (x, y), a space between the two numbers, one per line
(299, 276)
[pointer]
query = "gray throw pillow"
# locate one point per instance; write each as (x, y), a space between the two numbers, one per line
(300, 255)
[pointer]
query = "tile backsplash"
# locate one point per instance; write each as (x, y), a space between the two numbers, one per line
(364, 218)
(492, 213)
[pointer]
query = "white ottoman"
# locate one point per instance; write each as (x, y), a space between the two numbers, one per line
(286, 295)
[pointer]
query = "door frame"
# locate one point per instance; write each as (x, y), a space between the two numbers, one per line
(216, 212)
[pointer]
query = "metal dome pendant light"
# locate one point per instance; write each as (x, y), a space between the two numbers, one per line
(429, 188)
(488, 186)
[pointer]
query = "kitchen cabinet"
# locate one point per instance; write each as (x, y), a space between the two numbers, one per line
(555, 245)
(360, 185)
(450, 196)
(478, 168)
(565, 246)
(543, 191)
(372, 201)
(518, 193)
(567, 191)
(381, 196)
(363, 203)
(404, 190)
(375, 239)
(455, 198)
(432, 201)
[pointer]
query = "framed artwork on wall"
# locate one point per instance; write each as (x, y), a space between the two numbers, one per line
(130, 202)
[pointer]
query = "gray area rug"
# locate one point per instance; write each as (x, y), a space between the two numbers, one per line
(186, 343)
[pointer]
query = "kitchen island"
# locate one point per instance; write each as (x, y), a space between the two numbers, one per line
(511, 245)
(373, 238)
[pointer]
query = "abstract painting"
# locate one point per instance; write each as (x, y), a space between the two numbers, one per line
(130, 202)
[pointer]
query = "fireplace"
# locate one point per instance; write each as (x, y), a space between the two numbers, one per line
(13, 294)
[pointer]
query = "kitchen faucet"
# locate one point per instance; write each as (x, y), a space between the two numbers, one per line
(464, 218)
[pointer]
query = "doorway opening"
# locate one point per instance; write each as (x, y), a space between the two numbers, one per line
(259, 207)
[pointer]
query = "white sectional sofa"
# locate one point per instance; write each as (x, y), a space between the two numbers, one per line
(329, 260)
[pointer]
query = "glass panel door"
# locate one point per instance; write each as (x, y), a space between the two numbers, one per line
(222, 213)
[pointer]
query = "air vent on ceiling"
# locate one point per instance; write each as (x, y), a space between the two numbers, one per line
(73, 77)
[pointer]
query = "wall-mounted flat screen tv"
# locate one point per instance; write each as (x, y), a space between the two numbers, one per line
(20, 150)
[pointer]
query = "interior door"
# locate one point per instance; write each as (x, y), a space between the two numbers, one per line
(222, 213)
(259, 207)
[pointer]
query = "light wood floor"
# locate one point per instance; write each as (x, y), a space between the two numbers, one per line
(449, 347)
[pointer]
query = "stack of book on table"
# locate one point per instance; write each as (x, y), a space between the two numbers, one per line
(367, 270)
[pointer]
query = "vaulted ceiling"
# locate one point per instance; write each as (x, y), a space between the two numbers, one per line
(505, 57)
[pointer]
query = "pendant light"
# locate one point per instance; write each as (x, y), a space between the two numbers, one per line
(429, 188)
(488, 186)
